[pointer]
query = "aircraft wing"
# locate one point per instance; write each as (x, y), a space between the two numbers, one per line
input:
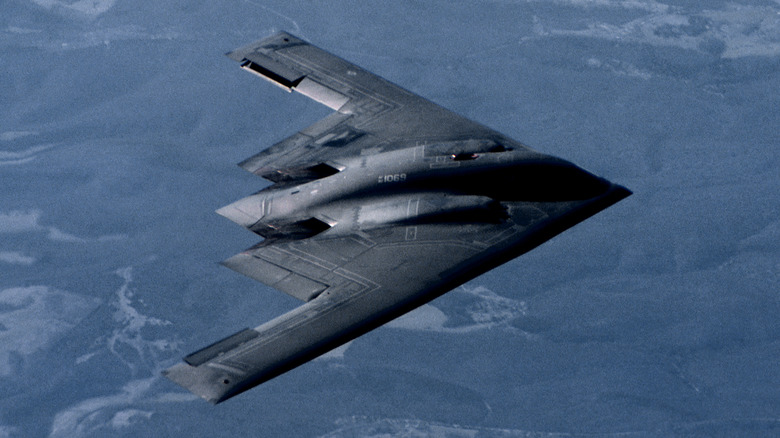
(372, 115)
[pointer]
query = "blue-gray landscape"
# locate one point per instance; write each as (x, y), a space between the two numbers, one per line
(120, 126)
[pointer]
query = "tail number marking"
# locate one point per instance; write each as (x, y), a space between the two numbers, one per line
(390, 178)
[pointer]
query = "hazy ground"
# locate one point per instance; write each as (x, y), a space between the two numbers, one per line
(121, 122)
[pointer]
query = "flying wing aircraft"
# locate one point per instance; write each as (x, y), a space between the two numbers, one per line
(375, 210)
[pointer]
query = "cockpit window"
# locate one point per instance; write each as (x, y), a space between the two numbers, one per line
(464, 156)
(499, 148)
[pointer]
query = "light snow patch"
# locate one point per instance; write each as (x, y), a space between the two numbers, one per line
(17, 221)
(366, 427)
(744, 30)
(296, 28)
(33, 317)
(16, 258)
(646, 5)
(60, 236)
(618, 67)
(141, 355)
(130, 324)
(25, 154)
(9, 157)
(7, 431)
(16, 162)
(105, 36)
(91, 8)
(475, 308)
(19, 31)
(424, 318)
(492, 308)
(747, 30)
(177, 397)
(84, 358)
(335, 354)
(91, 415)
(13, 135)
(125, 418)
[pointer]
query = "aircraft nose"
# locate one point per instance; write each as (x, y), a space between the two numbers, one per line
(619, 192)
(566, 181)
(552, 180)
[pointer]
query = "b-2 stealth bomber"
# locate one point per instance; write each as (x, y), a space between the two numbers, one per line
(384, 205)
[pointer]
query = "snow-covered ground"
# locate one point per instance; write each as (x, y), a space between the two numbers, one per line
(120, 125)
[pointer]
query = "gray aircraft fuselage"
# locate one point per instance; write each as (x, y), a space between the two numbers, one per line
(378, 190)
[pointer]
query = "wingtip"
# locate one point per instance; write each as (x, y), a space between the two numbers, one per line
(200, 381)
